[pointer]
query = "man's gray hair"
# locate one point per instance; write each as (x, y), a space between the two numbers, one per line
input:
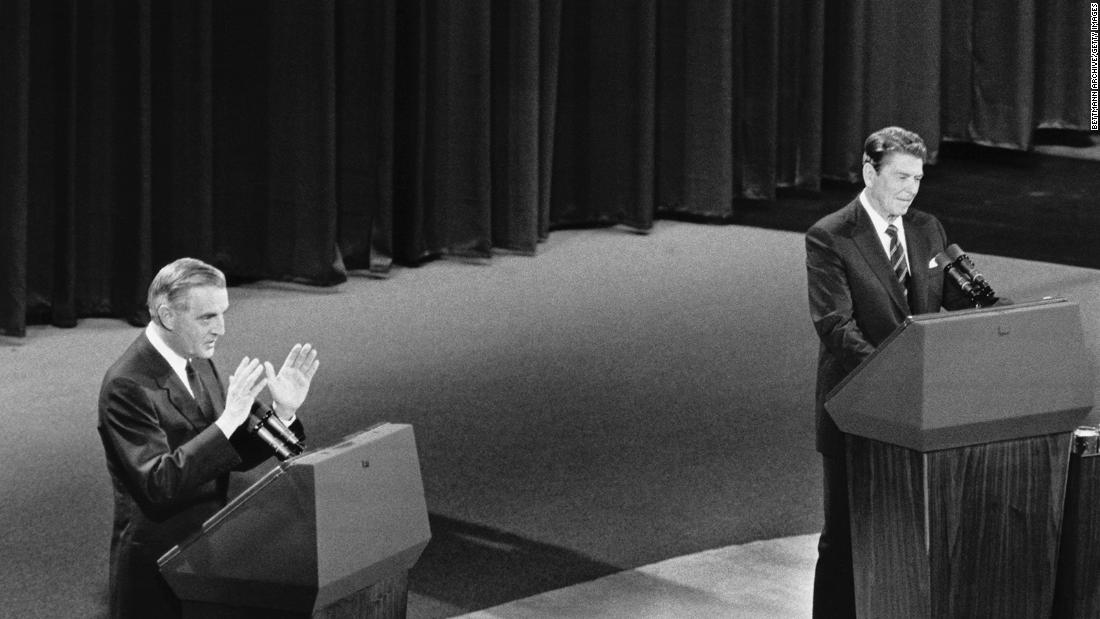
(176, 278)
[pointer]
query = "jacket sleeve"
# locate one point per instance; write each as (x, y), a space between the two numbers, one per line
(158, 473)
(831, 307)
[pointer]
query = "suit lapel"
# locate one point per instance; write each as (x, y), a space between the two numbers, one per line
(182, 400)
(866, 239)
(167, 380)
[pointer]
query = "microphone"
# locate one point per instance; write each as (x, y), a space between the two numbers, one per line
(956, 254)
(964, 272)
(279, 429)
(951, 269)
(274, 432)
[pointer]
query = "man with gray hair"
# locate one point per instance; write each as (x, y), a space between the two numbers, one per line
(172, 430)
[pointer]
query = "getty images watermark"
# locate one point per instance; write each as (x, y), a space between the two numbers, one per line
(1094, 79)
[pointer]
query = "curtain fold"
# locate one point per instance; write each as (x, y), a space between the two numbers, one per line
(696, 128)
(1009, 72)
(739, 104)
(1062, 69)
(300, 200)
(274, 127)
(604, 141)
(181, 118)
(517, 110)
(366, 45)
(883, 66)
(88, 199)
(290, 140)
(800, 90)
(15, 47)
(989, 67)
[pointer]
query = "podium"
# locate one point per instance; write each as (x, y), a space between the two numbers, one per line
(1077, 592)
(330, 533)
(959, 439)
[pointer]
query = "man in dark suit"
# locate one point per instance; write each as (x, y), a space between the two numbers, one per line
(869, 265)
(172, 431)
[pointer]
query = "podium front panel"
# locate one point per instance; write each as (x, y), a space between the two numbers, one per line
(370, 509)
(312, 531)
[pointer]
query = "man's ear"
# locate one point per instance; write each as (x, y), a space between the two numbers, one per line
(869, 173)
(167, 316)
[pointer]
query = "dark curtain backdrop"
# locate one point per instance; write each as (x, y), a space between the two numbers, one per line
(295, 140)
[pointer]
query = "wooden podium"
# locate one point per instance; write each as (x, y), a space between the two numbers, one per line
(1077, 593)
(959, 441)
(331, 533)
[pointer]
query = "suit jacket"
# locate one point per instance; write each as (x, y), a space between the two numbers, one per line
(855, 299)
(169, 466)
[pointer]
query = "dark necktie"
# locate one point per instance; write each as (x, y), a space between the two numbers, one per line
(197, 390)
(897, 256)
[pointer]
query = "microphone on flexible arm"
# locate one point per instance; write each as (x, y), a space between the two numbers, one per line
(956, 264)
(274, 432)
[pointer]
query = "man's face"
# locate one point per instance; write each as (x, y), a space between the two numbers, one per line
(892, 188)
(197, 322)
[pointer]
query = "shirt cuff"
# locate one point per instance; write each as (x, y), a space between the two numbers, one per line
(222, 425)
(286, 422)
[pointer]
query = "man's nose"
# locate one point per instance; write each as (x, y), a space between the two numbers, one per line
(219, 325)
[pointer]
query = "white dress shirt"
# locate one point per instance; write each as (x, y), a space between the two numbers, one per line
(880, 224)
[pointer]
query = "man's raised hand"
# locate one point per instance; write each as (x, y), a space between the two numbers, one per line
(289, 387)
(245, 384)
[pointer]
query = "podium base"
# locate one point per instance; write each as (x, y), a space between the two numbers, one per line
(964, 532)
(386, 599)
(1077, 594)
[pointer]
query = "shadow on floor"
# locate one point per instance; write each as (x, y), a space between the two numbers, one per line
(472, 567)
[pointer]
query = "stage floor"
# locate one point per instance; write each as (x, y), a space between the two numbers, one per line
(615, 402)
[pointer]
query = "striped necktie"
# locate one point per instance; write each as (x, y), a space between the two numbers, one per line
(897, 256)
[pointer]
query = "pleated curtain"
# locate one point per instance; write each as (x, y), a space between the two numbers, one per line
(298, 140)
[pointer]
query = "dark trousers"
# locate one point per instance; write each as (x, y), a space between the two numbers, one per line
(834, 587)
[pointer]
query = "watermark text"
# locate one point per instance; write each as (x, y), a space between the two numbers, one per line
(1094, 56)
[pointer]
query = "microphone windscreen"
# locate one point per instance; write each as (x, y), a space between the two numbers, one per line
(256, 426)
(951, 269)
(953, 251)
(277, 427)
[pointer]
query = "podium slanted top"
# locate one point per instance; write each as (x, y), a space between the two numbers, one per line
(953, 379)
